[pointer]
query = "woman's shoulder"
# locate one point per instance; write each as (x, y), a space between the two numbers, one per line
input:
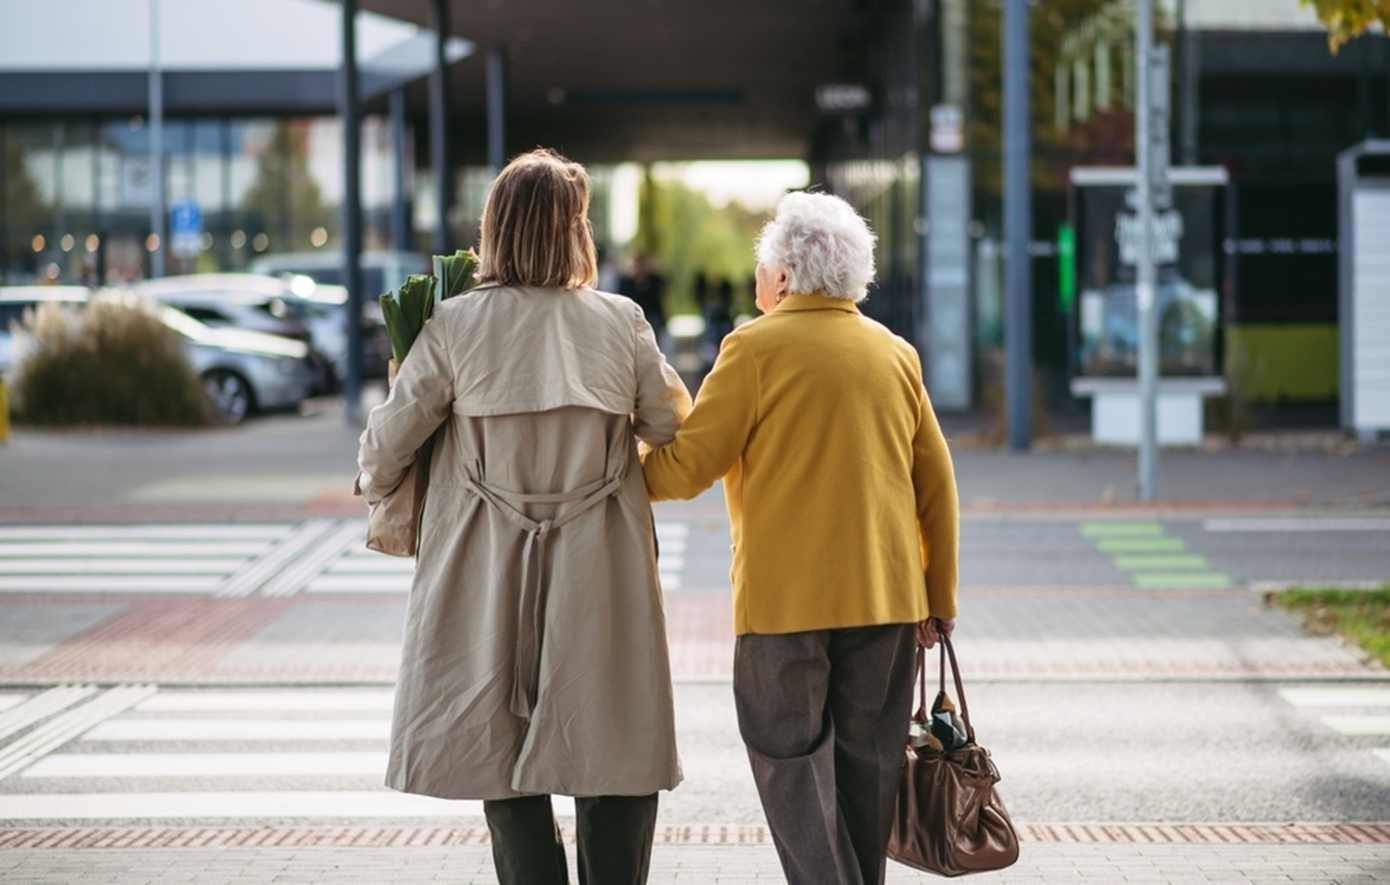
(610, 300)
(493, 301)
(470, 299)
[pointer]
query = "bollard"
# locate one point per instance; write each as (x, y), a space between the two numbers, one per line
(4, 412)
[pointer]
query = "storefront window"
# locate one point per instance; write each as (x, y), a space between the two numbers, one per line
(75, 195)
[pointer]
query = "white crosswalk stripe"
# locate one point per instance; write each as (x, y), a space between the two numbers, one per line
(267, 559)
(202, 779)
(1361, 698)
(1337, 696)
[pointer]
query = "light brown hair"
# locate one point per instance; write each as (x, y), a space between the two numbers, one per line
(535, 229)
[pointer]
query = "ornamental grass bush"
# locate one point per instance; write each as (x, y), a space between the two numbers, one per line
(109, 363)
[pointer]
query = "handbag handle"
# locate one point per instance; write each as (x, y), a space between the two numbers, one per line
(947, 650)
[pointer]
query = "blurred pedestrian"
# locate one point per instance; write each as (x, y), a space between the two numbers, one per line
(842, 504)
(534, 659)
(717, 307)
(645, 285)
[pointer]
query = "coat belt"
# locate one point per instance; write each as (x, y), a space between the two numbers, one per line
(532, 600)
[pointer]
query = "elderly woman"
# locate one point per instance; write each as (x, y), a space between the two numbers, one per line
(534, 658)
(842, 503)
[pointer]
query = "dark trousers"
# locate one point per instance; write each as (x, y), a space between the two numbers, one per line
(825, 716)
(614, 835)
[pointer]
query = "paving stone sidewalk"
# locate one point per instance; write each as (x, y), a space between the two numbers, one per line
(290, 468)
(1110, 864)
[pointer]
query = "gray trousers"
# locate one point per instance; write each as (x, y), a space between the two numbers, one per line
(824, 716)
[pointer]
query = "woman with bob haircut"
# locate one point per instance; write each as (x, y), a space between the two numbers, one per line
(842, 504)
(534, 657)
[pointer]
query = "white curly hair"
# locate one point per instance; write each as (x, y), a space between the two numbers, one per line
(823, 245)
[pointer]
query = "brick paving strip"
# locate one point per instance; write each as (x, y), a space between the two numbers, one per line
(403, 837)
(152, 639)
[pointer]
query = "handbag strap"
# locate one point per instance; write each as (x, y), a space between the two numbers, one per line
(947, 651)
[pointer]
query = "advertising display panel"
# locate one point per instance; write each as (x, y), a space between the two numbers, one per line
(1187, 251)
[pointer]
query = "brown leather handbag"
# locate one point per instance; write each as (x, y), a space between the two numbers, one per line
(949, 819)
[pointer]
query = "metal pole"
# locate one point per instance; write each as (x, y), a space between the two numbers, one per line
(400, 206)
(1018, 213)
(439, 126)
(1188, 68)
(497, 108)
(156, 86)
(1145, 276)
(348, 112)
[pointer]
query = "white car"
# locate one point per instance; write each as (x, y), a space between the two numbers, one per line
(382, 271)
(15, 300)
(292, 306)
(245, 371)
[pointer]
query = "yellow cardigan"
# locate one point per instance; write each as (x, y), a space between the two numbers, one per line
(840, 489)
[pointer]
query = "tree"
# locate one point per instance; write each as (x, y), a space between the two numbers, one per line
(285, 196)
(1109, 134)
(1349, 18)
(687, 236)
(23, 211)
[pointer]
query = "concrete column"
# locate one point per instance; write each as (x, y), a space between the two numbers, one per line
(497, 108)
(349, 113)
(1018, 217)
(400, 203)
(440, 163)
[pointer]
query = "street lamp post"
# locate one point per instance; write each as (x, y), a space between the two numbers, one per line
(156, 99)
(1018, 214)
(1151, 187)
(350, 113)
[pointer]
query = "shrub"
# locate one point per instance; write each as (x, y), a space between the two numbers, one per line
(110, 363)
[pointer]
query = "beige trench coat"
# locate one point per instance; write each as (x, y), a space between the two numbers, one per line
(534, 656)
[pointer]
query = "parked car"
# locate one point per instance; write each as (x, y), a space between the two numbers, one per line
(381, 270)
(15, 300)
(244, 371)
(293, 307)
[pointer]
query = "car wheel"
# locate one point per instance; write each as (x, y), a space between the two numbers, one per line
(230, 394)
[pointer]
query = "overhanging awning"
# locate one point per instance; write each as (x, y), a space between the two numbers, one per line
(252, 56)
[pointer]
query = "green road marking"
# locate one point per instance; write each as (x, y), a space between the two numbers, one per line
(1182, 580)
(1153, 558)
(1161, 562)
(1140, 545)
(1120, 529)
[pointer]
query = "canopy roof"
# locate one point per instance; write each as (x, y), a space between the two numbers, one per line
(603, 80)
(276, 56)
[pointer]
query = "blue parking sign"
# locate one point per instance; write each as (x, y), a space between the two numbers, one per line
(186, 228)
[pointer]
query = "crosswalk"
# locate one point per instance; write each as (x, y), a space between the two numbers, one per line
(140, 753)
(226, 560)
(1360, 711)
(145, 755)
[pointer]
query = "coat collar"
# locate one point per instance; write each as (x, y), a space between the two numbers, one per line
(816, 301)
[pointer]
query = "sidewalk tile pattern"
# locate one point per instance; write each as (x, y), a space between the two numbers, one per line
(399, 837)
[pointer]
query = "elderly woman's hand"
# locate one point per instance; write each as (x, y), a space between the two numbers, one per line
(932, 629)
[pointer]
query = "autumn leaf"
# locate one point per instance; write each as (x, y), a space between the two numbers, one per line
(1346, 19)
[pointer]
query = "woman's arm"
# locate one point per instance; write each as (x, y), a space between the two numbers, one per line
(716, 432)
(662, 400)
(938, 511)
(420, 400)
